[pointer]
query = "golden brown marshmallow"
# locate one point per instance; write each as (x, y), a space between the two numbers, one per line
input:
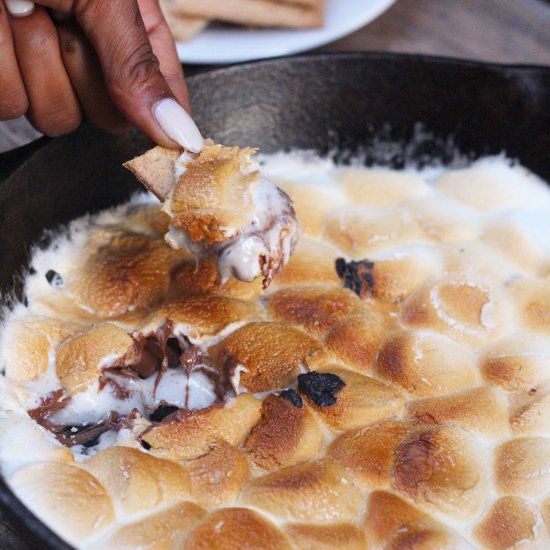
(529, 411)
(80, 359)
(360, 231)
(362, 400)
(217, 476)
(425, 363)
(285, 435)
(123, 272)
(522, 466)
(509, 522)
(441, 468)
(65, 496)
(345, 536)
(137, 481)
(290, 492)
(517, 362)
(236, 528)
(27, 345)
(313, 262)
(200, 316)
(195, 276)
(464, 309)
(194, 432)
(368, 451)
(315, 309)
(164, 530)
(312, 204)
(463, 409)
(355, 340)
(391, 522)
(381, 187)
(264, 356)
(531, 298)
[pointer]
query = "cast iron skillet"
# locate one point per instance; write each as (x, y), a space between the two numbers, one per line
(342, 102)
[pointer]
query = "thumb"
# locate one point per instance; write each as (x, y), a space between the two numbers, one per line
(132, 73)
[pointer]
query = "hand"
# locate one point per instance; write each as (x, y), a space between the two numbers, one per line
(111, 61)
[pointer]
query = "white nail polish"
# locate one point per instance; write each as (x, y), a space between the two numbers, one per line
(19, 8)
(178, 125)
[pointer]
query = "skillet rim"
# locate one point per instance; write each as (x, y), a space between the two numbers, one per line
(16, 158)
(28, 527)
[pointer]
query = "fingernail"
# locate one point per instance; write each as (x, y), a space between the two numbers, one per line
(19, 8)
(178, 125)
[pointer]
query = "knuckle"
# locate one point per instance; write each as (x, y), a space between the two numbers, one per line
(142, 64)
(139, 69)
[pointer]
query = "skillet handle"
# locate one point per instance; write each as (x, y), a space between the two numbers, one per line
(11, 160)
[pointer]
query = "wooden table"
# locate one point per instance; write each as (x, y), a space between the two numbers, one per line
(503, 31)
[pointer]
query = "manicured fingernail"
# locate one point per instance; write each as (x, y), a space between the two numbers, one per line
(178, 125)
(19, 8)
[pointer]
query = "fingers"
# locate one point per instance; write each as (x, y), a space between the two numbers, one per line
(53, 106)
(13, 98)
(139, 63)
(86, 77)
(164, 48)
(132, 71)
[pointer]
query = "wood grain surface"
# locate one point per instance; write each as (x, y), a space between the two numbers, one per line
(502, 31)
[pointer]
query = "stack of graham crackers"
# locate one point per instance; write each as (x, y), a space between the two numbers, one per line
(188, 17)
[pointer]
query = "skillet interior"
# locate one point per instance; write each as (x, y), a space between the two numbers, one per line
(342, 102)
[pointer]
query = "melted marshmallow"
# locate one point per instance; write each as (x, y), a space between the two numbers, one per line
(195, 391)
(262, 246)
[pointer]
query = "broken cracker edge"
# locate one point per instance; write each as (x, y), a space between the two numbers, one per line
(155, 170)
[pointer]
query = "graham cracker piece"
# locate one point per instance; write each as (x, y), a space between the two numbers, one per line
(183, 27)
(263, 13)
(155, 169)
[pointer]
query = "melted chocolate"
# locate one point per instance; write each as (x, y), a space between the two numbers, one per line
(320, 387)
(54, 279)
(87, 435)
(148, 356)
(293, 397)
(163, 411)
(107, 378)
(357, 276)
(53, 402)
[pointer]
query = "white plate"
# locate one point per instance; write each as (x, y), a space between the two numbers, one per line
(228, 44)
